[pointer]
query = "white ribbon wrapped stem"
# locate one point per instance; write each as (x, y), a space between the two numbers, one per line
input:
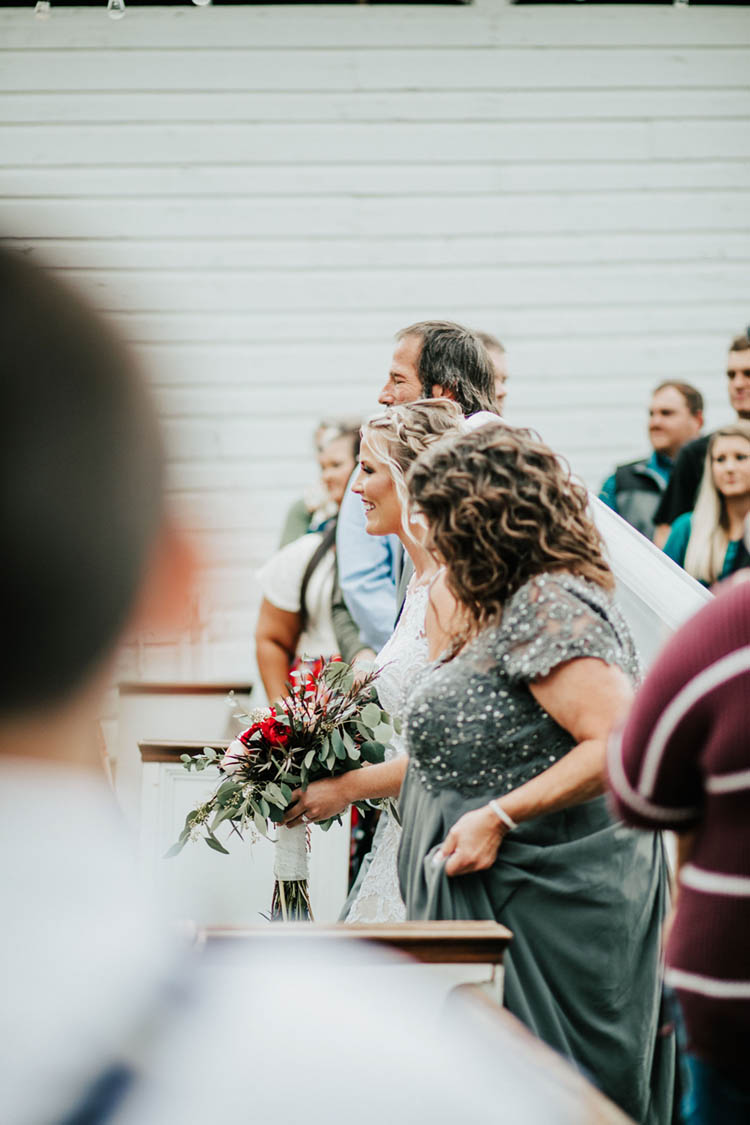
(290, 862)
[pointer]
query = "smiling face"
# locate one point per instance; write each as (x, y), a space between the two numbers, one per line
(738, 375)
(670, 423)
(403, 383)
(374, 485)
(730, 465)
(336, 466)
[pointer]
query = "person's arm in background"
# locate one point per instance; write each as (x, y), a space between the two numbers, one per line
(366, 574)
(276, 637)
(608, 494)
(279, 620)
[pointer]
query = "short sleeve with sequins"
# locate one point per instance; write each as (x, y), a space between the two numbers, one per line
(555, 618)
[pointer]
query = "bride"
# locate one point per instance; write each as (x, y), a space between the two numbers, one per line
(391, 442)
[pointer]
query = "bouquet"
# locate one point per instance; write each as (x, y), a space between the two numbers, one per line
(325, 726)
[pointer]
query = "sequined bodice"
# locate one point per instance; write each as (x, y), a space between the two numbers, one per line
(473, 725)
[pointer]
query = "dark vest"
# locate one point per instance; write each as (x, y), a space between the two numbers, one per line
(638, 490)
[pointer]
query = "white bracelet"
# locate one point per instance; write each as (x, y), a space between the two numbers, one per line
(502, 815)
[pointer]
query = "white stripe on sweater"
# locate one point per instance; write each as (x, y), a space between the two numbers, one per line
(728, 782)
(735, 664)
(714, 882)
(708, 986)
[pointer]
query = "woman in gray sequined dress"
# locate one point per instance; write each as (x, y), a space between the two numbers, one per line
(502, 807)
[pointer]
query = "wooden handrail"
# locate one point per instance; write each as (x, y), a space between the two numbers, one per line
(180, 687)
(171, 750)
(437, 943)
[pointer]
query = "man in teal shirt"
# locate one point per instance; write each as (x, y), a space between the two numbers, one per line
(635, 488)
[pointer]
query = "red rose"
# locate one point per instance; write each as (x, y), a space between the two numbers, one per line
(274, 732)
(246, 735)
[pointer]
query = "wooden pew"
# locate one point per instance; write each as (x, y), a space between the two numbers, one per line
(200, 885)
(456, 944)
(167, 709)
(568, 1086)
(433, 943)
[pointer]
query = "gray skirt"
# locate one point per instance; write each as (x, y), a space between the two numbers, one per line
(585, 898)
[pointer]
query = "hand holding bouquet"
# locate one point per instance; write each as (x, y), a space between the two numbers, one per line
(326, 725)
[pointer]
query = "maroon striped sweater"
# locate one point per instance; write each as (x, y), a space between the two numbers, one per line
(683, 762)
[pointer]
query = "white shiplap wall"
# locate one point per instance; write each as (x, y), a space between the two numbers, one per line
(262, 196)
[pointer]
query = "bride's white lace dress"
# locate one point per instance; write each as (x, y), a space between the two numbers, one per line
(402, 656)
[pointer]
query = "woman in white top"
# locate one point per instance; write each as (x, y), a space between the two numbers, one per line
(295, 622)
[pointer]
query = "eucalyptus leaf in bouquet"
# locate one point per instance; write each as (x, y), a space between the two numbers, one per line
(327, 724)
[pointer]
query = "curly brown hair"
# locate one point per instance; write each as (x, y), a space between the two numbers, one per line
(501, 508)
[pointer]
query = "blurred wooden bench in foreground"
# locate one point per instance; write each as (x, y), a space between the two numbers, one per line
(469, 953)
(457, 944)
(568, 1089)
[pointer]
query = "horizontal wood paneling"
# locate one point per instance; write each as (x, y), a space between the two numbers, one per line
(544, 177)
(260, 197)
(595, 327)
(568, 389)
(288, 143)
(324, 366)
(394, 68)
(483, 23)
(308, 290)
(376, 217)
(217, 107)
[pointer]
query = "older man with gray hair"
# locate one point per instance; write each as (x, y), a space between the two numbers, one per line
(432, 359)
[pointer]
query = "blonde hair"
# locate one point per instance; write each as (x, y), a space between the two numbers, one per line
(709, 526)
(400, 434)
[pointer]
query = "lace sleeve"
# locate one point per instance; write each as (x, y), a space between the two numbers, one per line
(557, 618)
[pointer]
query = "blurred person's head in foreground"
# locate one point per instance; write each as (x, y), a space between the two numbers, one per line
(95, 1017)
(86, 547)
(87, 551)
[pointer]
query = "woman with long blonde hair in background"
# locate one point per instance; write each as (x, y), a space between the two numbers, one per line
(707, 542)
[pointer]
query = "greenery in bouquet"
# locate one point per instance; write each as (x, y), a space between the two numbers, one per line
(327, 724)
